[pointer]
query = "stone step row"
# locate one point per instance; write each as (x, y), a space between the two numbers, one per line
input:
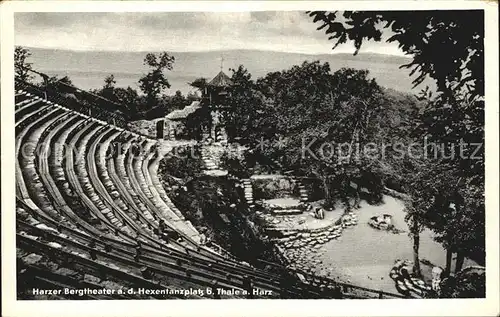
(304, 197)
(314, 238)
(281, 212)
(248, 192)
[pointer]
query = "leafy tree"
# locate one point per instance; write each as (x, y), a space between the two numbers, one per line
(193, 97)
(178, 101)
(167, 104)
(468, 283)
(108, 90)
(57, 84)
(448, 195)
(242, 104)
(21, 65)
(339, 112)
(424, 35)
(109, 82)
(154, 82)
(199, 83)
(128, 97)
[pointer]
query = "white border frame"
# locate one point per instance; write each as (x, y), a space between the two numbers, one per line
(449, 307)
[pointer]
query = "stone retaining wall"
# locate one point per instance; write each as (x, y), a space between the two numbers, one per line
(298, 238)
(302, 248)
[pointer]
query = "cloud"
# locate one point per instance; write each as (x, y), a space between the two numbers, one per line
(287, 31)
(262, 16)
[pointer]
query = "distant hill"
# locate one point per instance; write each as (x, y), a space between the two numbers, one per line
(88, 69)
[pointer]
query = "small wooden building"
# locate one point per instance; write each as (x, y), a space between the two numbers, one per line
(202, 119)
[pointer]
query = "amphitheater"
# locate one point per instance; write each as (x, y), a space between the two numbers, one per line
(88, 218)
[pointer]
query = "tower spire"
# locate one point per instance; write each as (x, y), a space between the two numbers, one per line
(221, 61)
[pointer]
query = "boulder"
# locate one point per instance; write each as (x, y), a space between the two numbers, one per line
(91, 278)
(32, 258)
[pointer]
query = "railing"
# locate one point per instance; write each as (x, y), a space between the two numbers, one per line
(83, 101)
(346, 288)
(221, 251)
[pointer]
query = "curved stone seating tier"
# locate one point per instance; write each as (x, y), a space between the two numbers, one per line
(69, 165)
(231, 267)
(111, 192)
(44, 151)
(149, 188)
(146, 214)
(150, 170)
(90, 182)
(142, 197)
(22, 99)
(31, 117)
(122, 179)
(24, 109)
(94, 158)
(74, 207)
(143, 175)
(21, 131)
(176, 266)
(136, 173)
(21, 96)
(56, 179)
(102, 264)
(22, 194)
(48, 169)
(26, 159)
(154, 161)
(186, 242)
(119, 164)
(153, 172)
(140, 215)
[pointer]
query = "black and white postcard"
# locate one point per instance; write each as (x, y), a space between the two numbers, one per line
(249, 158)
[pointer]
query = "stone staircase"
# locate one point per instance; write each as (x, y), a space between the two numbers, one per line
(293, 207)
(304, 197)
(246, 184)
(208, 160)
(210, 163)
(287, 211)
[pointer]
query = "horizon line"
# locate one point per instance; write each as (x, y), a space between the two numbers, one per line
(216, 50)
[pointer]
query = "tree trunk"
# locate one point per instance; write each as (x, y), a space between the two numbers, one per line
(449, 253)
(326, 190)
(460, 262)
(416, 246)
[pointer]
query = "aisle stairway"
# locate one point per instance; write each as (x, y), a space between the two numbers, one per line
(304, 197)
(246, 184)
(210, 161)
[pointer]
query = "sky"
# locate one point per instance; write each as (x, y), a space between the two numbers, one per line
(283, 31)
